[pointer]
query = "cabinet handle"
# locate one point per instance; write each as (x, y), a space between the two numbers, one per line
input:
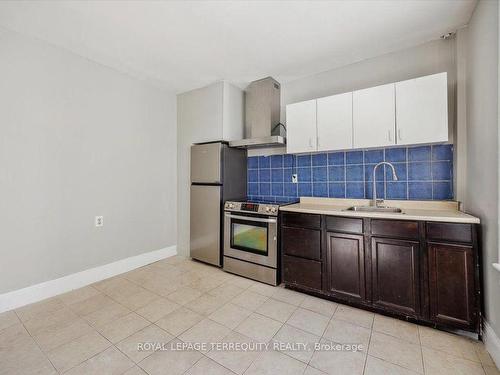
(389, 134)
(399, 135)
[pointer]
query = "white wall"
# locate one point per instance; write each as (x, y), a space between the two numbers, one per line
(482, 144)
(428, 58)
(432, 57)
(78, 140)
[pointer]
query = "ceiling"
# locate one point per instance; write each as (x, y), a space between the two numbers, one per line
(181, 45)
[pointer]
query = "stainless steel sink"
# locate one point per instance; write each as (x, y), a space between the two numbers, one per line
(375, 209)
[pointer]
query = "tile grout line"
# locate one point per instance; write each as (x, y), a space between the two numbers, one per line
(421, 350)
(368, 347)
(345, 173)
(432, 173)
(407, 175)
(385, 177)
(323, 335)
(92, 327)
(405, 162)
(255, 311)
(99, 333)
(203, 317)
(35, 342)
(282, 325)
(245, 289)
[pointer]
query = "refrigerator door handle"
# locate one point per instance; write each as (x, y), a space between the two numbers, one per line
(206, 183)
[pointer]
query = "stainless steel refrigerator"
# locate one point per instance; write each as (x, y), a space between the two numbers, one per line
(218, 174)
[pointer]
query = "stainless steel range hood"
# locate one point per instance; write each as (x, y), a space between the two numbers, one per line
(271, 141)
(262, 116)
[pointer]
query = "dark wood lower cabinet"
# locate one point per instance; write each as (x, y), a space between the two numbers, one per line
(451, 285)
(300, 242)
(395, 275)
(345, 265)
(423, 271)
(304, 272)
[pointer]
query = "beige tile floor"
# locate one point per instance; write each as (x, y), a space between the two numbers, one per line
(96, 329)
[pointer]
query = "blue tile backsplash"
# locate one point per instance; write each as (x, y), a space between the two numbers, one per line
(424, 172)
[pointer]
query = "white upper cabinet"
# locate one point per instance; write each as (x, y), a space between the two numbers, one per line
(422, 110)
(211, 113)
(374, 117)
(334, 122)
(401, 113)
(301, 127)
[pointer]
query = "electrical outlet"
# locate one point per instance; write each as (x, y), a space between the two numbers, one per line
(99, 221)
(295, 179)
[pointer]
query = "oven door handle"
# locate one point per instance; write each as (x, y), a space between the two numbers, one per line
(251, 218)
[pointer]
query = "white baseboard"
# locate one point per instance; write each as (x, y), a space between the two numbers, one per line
(38, 292)
(492, 343)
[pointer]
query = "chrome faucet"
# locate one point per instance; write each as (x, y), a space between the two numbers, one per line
(375, 202)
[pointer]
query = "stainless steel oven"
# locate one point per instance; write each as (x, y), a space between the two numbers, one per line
(251, 240)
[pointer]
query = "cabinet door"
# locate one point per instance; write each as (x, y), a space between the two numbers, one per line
(345, 266)
(301, 127)
(451, 285)
(395, 275)
(335, 122)
(374, 117)
(422, 110)
(200, 114)
(302, 273)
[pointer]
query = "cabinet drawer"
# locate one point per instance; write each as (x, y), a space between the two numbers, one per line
(304, 243)
(292, 219)
(302, 272)
(344, 224)
(395, 228)
(449, 232)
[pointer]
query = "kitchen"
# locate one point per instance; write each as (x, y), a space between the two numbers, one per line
(323, 200)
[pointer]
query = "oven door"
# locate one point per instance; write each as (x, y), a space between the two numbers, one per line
(251, 238)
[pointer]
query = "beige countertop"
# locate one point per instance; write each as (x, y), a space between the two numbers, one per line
(447, 211)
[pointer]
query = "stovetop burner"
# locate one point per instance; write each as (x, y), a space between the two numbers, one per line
(258, 206)
(266, 201)
(263, 200)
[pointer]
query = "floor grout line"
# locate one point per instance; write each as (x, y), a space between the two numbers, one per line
(244, 286)
(368, 347)
(36, 343)
(421, 351)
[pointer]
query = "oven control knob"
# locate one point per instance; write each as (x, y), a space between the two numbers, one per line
(273, 210)
(268, 208)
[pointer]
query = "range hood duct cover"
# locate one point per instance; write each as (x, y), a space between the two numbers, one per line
(262, 115)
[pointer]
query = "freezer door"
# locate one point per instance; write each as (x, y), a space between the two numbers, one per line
(206, 223)
(206, 163)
